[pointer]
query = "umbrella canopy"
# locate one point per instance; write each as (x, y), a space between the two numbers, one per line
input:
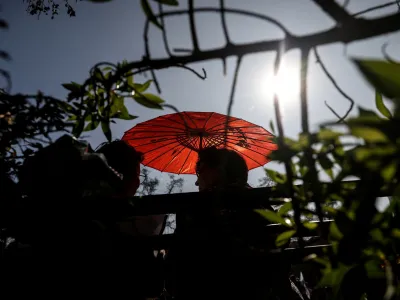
(170, 143)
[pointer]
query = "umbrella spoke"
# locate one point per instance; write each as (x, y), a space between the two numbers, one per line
(180, 170)
(208, 119)
(173, 158)
(163, 153)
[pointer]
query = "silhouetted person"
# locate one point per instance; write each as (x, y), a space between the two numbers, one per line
(227, 262)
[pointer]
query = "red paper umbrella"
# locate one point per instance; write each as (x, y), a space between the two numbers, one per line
(170, 143)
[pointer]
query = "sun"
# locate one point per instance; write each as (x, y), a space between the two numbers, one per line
(286, 83)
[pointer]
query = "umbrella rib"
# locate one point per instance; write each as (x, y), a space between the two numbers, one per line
(159, 156)
(247, 149)
(126, 136)
(160, 126)
(190, 118)
(164, 118)
(205, 124)
(232, 138)
(160, 147)
(246, 156)
(155, 137)
(219, 131)
(240, 127)
(141, 145)
(229, 122)
(179, 172)
(183, 148)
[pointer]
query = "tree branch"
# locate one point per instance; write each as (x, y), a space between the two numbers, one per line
(193, 27)
(375, 8)
(232, 96)
(345, 34)
(335, 11)
(223, 20)
(325, 70)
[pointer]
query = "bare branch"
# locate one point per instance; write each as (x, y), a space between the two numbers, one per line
(303, 90)
(198, 74)
(164, 32)
(232, 96)
(333, 111)
(335, 84)
(375, 8)
(386, 55)
(193, 27)
(346, 34)
(201, 76)
(334, 10)
(223, 20)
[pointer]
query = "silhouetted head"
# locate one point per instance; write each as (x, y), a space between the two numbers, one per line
(220, 168)
(124, 159)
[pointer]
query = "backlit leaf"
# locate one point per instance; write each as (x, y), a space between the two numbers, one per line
(310, 225)
(142, 87)
(272, 216)
(383, 75)
(327, 134)
(284, 238)
(275, 176)
(380, 105)
(371, 135)
(285, 208)
(149, 100)
(149, 13)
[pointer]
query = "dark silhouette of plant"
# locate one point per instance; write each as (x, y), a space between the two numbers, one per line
(148, 185)
(49, 7)
(363, 243)
(174, 184)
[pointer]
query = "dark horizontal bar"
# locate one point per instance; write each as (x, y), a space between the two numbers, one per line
(239, 199)
(271, 231)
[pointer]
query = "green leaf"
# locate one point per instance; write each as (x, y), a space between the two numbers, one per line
(149, 13)
(141, 87)
(383, 75)
(123, 114)
(91, 126)
(271, 125)
(376, 235)
(389, 172)
(327, 134)
(107, 69)
(105, 126)
(335, 232)
(284, 238)
(168, 2)
(310, 225)
(273, 217)
(275, 176)
(72, 87)
(366, 113)
(334, 277)
(380, 105)
(285, 208)
(370, 135)
(78, 128)
(373, 269)
(396, 233)
(149, 100)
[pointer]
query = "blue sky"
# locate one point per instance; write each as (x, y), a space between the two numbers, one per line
(47, 53)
